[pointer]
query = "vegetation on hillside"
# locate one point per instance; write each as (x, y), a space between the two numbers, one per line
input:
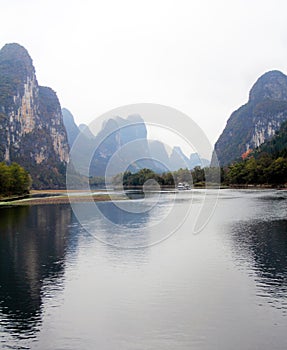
(267, 165)
(14, 180)
(277, 146)
(261, 171)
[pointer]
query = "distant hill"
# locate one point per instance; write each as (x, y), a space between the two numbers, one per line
(257, 121)
(70, 125)
(179, 160)
(32, 132)
(115, 135)
(85, 129)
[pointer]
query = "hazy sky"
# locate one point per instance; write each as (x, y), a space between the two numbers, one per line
(200, 57)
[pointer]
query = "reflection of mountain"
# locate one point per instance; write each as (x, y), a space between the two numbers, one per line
(120, 226)
(124, 141)
(126, 219)
(33, 243)
(265, 242)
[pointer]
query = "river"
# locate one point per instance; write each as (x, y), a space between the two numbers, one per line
(113, 279)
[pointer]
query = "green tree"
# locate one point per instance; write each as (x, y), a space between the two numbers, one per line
(14, 180)
(4, 179)
(198, 175)
(277, 171)
(236, 173)
(182, 175)
(250, 171)
(168, 179)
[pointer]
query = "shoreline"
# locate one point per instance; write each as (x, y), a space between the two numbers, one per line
(39, 197)
(42, 197)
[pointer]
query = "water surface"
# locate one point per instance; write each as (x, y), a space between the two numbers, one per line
(224, 288)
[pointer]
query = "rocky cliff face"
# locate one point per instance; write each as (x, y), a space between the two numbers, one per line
(257, 121)
(31, 123)
(276, 146)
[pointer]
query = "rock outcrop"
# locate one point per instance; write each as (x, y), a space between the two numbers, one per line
(32, 132)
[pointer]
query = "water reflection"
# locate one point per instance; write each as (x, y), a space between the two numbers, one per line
(264, 244)
(134, 194)
(112, 225)
(185, 293)
(33, 243)
(123, 218)
(127, 224)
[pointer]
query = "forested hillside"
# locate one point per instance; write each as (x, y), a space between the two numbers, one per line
(267, 165)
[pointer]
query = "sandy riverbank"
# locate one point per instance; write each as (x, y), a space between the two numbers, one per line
(60, 197)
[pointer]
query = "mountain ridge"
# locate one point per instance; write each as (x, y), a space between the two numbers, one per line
(117, 132)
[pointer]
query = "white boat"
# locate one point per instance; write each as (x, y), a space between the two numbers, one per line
(183, 186)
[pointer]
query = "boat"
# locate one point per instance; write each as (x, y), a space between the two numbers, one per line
(183, 186)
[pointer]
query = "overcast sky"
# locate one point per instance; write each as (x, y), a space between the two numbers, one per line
(201, 57)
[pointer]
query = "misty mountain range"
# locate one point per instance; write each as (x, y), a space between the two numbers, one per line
(122, 142)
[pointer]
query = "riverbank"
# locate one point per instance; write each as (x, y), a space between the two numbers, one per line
(42, 197)
(39, 197)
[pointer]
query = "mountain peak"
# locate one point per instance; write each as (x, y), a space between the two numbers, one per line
(257, 121)
(84, 128)
(271, 85)
(15, 48)
(16, 56)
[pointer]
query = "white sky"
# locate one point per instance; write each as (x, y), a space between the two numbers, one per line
(200, 57)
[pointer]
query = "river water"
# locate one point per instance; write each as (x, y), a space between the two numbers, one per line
(66, 284)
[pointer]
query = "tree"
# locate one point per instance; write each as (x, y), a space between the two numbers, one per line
(14, 180)
(251, 171)
(236, 173)
(182, 175)
(4, 179)
(168, 179)
(198, 175)
(277, 171)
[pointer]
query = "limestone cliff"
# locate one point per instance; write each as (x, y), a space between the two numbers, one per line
(257, 121)
(31, 123)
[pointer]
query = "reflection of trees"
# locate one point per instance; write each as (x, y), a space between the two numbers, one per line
(266, 243)
(32, 249)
